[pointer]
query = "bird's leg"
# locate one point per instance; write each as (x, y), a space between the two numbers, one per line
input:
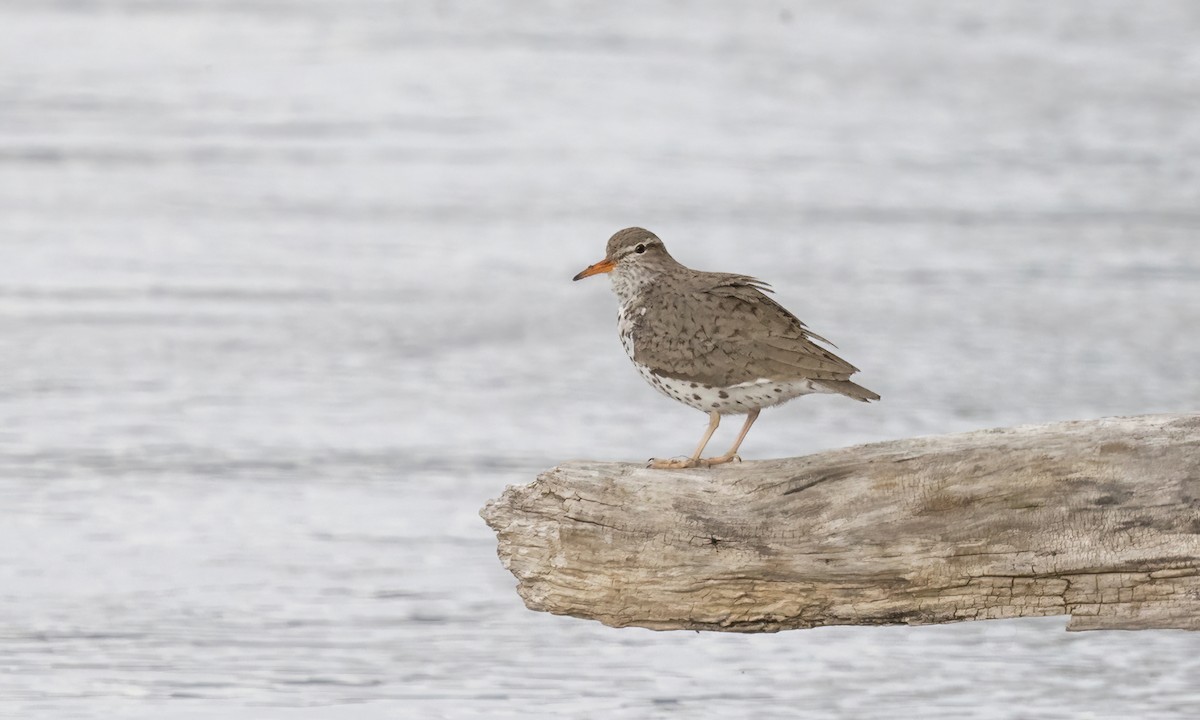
(714, 419)
(732, 454)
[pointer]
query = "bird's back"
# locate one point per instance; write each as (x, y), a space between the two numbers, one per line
(721, 329)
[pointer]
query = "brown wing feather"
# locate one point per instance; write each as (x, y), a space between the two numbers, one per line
(721, 330)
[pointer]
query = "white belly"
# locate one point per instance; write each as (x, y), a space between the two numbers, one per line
(731, 400)
(734, 399)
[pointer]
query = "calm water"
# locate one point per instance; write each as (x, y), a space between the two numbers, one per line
(285, 297)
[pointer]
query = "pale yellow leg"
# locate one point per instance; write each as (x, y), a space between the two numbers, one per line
(714, 419)
(732, 454)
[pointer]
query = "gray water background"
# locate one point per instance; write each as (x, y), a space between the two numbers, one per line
(285, 298)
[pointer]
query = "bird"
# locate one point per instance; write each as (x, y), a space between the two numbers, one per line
(713, 341)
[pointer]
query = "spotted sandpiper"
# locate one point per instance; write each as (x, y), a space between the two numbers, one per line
(713, 341)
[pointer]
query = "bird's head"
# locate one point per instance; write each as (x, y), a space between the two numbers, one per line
(632, 253)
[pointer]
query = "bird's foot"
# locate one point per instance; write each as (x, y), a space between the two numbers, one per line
(673, 463)
(719, 460)
(680, 463)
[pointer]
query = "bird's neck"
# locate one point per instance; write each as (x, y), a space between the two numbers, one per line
(629, 282)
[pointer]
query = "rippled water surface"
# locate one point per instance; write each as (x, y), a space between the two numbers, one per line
(285, 298)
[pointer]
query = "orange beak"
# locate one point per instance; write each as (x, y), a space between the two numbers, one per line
(604, 266)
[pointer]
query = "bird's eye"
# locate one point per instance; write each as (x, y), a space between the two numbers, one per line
(640, 249)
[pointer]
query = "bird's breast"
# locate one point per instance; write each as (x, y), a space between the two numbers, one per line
(628, 317)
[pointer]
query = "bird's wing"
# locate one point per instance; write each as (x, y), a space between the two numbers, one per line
(721, 329)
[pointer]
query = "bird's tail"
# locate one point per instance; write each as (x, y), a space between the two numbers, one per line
(851, 390)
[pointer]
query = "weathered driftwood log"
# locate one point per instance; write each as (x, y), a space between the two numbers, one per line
(1099, 520)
